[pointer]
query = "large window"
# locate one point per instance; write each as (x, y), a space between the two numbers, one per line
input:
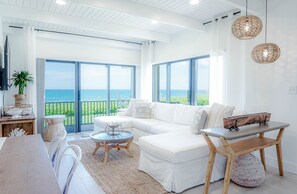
(83, 91)
(182, 82)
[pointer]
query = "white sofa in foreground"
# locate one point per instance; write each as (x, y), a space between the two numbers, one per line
(171, 152)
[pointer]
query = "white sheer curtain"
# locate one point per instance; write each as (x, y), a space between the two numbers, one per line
(30, 65)
(227, 64)
(147, 54)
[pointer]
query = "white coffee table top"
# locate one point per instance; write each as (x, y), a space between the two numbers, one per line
(102, 136)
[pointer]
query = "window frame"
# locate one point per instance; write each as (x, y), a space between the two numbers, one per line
(77, 97)
(193, 78)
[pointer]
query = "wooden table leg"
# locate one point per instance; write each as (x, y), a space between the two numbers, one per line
(212, 156)
(106, 152)
(228, 172)
(97, 148)
(230, 159)
(279, 152)
(128, 146)
(262, 153)
(279, 159)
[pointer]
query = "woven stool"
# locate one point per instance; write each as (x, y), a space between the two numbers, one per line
(248, 171)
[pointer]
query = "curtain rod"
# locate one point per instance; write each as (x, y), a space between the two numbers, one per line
(223, 17)
(75, 34)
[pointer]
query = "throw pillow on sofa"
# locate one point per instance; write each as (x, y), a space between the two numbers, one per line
(216, 114)
(133, 101)
(142, 110)
(200, 117)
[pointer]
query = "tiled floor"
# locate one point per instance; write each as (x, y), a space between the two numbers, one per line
(274, 184)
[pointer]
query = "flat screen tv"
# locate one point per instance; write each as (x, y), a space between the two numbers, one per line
(4, 69)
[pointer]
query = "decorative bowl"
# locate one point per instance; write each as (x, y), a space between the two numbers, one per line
(11, 110)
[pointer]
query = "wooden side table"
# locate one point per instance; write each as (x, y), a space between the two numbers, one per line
(26, 122)
(232, 150)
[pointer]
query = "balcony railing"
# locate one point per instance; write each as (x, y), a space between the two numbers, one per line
(89, 110)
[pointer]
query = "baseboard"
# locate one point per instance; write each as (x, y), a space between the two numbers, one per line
(272, 161)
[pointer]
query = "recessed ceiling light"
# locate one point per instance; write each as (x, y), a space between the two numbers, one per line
(193, 2)
(61, 2)
(154, 21)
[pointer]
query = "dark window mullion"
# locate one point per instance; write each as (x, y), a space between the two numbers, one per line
(108, 90)
(193, 81)
(77, 99)
(168, 83)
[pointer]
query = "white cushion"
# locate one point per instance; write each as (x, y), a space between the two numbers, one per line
(132, 102)
(184, 114)
(163, 111)
(169, 127)
(200, 117)
(146, 124)
(142, 110)
(175, 147)
(124, 120)
(216, 114)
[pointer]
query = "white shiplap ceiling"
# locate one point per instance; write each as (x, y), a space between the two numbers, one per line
(204, 10)
(118, 19)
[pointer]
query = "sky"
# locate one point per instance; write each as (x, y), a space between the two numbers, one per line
(62, 76)
(180, 75)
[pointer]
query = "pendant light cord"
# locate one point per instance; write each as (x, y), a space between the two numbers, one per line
(266, 23)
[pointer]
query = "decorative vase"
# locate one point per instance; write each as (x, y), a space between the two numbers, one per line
(19, 99)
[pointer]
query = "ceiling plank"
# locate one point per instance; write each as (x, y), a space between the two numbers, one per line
(78, 22)
(254, 7)
(140, 10)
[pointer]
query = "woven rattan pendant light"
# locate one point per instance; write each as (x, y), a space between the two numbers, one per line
(246, 27)
(266, 52)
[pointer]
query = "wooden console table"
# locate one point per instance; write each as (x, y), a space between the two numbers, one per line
(26, 122)
(233, 150)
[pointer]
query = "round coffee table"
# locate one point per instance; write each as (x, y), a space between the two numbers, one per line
(109, 141)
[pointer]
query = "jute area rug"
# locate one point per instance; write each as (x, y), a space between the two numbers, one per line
(120, 175)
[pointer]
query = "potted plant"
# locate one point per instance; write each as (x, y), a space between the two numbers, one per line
(21, 79)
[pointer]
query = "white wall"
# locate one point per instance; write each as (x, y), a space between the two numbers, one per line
(65, 47)
(61, 47)
(17, 60)
(186, 44)
(267, 84)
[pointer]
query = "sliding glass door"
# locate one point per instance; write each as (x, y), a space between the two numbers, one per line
(93, 93)
(83, 91)
(121, 87)
(60, 92)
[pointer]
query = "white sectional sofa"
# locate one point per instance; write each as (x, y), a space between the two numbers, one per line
(170, 152)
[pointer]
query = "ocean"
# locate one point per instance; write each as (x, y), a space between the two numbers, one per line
(58, 95)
